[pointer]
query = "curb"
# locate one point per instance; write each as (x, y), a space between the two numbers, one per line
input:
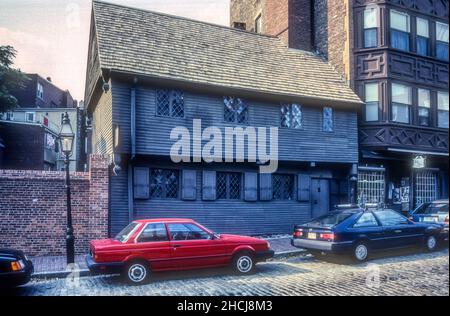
(87, 273)
(61, 274)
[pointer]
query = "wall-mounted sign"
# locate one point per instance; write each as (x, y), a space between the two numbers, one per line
(419, 162)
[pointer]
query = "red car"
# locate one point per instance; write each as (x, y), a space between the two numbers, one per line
(173, 244)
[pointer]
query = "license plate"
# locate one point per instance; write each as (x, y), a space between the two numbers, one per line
(312, 236)
(431, 219)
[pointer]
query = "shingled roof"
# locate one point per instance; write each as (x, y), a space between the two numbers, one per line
(174, 48)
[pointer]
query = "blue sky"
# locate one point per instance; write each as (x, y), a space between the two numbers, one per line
(51, 36)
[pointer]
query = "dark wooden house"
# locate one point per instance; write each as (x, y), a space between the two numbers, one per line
(149, 73)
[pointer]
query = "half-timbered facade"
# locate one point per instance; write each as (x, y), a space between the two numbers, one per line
(149, 73)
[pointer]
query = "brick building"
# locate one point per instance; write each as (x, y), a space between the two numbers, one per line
(394, 54)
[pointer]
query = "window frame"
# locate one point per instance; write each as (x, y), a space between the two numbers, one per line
(401, 104)
(393, 29)
(367, 29)
(283, 195)
(392, 212)
(355, 225)
(40, 91)
(136, 240)
(228, 175)
(423, 37)
(209, 233)
(258, 24)
(235, 111)
(164, 188)
(171, 99)
(421, 107)
(290, 118)
(440, 42)
(332, 119)
(372, 102)
(30, 113)
(439, 110)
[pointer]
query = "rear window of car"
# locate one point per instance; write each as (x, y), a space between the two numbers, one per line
(124, 234)
(432, 208)
(330, 220)
(391, 218)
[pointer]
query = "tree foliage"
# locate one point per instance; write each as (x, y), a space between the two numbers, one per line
(11, 79)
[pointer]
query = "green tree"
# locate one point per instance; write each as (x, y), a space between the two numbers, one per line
(10, 79)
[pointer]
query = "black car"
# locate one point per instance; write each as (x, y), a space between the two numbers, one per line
(15, 268)
(358, 232)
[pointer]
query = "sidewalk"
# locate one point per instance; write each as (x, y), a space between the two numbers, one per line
(55, 266)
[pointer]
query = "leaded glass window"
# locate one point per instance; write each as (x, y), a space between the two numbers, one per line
(165, 184)
(235, 110)
(283, 187)
(228, 186)
(328, 124)
(170, 103)
(291, 116)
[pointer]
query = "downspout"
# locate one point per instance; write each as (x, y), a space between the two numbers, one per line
(133, 150)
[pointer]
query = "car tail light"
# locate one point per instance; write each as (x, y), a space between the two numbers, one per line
(327, 236)
(446, 220)
(298, 233)
(17, 265)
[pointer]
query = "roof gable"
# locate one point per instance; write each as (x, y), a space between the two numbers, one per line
(172, 48)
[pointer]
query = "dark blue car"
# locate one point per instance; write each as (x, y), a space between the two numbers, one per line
(358, 232)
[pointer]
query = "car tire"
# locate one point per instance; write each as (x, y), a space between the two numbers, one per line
(361, 252)
(137, 273)
(243, 263)
(316, 253)
(431, 243)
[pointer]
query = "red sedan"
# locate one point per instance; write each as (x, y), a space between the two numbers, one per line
(173, 244)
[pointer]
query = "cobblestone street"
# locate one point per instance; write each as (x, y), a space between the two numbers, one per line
(410, 273)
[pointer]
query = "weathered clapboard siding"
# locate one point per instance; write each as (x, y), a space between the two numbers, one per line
(307, 144)
(229, 216)
(102, 133)
(119, 209)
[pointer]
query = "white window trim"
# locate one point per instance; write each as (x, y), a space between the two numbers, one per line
(428, 27)
(443, 24)
(34, 117)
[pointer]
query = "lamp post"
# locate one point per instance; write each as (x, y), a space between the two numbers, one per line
(66, 137)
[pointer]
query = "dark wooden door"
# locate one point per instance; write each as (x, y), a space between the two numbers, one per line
(320, 191)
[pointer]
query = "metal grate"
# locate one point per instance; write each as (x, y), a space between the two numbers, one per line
(283, 187)
(164, 184)
(425, 187)
(235, 110)
(228, 186)
(371, 186)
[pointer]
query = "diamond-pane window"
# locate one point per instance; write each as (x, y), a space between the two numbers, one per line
(328, 125)
(235, 110)
(170, 103)
(228, 186)
(165, 184)
(291, 116)
(283, 187)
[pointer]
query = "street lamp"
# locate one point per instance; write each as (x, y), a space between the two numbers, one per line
(66, 137)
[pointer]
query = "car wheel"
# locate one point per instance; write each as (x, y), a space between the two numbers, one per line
(361, 252)
(431, 243)
(137, 273)
(315, 253)
(243, 263)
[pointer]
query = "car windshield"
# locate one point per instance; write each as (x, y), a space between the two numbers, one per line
(123, 235)
(330, 220)
(433, 208)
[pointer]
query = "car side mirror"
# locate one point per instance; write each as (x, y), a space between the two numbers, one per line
(215, 236)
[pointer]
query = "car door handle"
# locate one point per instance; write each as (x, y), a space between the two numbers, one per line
(177, 246)
(398, 231)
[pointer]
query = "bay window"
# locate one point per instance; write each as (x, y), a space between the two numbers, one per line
(400, 30)
(370, 28)
(401, 103)
(442, 41)
(443, 109)
(422, 38)
(424, 105)
(372, 102)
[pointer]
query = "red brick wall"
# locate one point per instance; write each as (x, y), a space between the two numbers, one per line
(33, 208)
